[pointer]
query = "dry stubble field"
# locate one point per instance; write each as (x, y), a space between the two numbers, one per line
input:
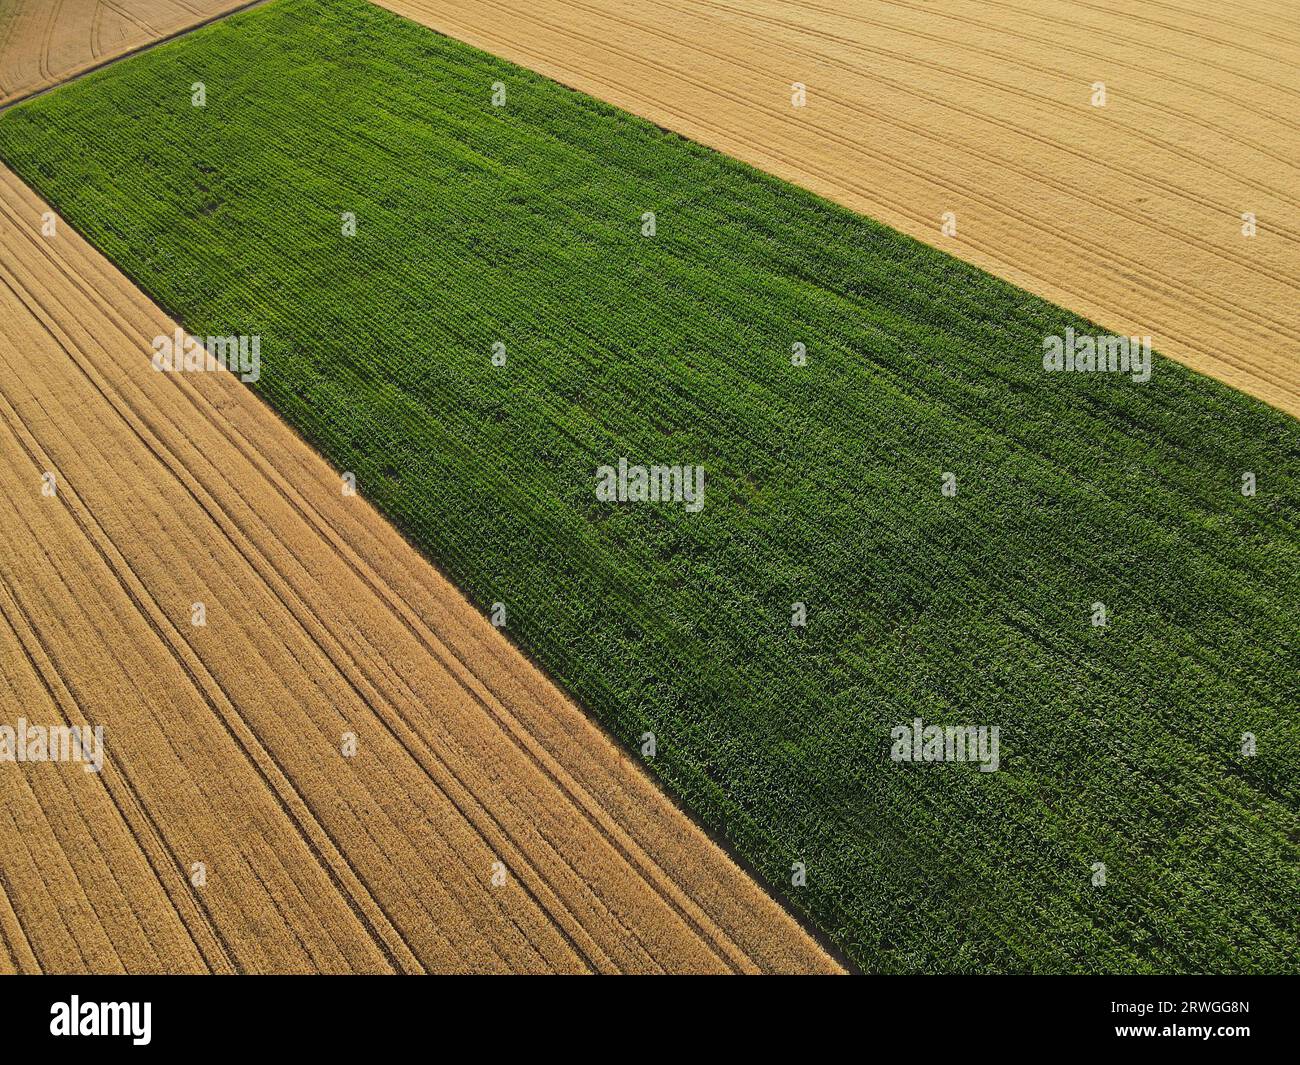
(44, 42)
(1128, 214)
(223, 741)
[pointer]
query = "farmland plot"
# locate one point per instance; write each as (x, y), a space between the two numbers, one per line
(476, 289)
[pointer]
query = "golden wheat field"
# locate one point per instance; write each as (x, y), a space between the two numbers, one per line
(483, 822)
(44, 42)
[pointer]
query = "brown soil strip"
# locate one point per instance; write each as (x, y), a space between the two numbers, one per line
(223, 741)
(1130, 214)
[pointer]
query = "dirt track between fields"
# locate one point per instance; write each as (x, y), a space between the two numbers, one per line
(223, 741)
(1129, 213)
(44, 42)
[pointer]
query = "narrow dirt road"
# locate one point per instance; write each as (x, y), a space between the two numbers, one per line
(44, 42)
(483, 823)
(1129, 212)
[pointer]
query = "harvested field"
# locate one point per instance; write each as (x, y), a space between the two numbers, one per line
(223, 742)
(950, 515)
(44, 42)
(1128, 214)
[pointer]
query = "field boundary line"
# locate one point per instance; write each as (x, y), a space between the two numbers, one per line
(621, 842)
(709, 932)
(308, 620)
(740, 98)
(494, 707)
(1281, 393)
